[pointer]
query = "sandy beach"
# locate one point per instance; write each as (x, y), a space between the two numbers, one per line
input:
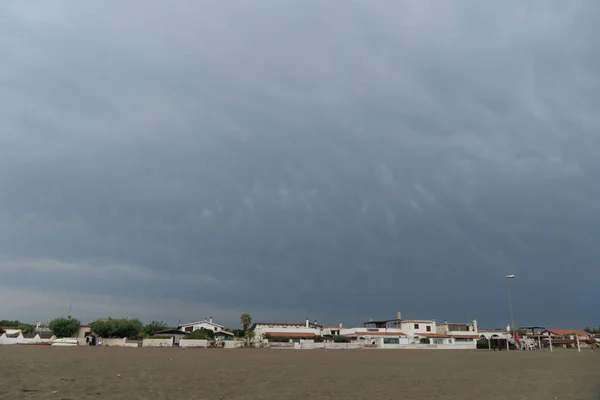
(161, 373)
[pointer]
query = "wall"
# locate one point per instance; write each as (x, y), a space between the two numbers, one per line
(157, 342)
(233, 344)
(193, 343)
(408, 327)
(115, 342)
(21, 340)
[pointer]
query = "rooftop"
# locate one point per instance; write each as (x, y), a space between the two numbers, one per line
(564, 332)
(291, 334)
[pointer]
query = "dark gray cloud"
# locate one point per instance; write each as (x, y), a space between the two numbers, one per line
(337, 159)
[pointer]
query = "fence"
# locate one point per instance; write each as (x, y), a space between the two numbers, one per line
(193, 343)
(157, 342)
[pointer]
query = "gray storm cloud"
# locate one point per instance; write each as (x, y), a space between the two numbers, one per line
(337, 159)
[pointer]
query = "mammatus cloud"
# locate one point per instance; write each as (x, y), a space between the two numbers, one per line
(340, 160)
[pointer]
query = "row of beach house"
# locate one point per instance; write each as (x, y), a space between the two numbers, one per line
(396, 333)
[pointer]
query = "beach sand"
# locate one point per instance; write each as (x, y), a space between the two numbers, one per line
(44, 372)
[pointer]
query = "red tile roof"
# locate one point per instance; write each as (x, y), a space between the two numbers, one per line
(565, 332)
(290, 334)
(394, 334)
(434, 335)
(466, 336)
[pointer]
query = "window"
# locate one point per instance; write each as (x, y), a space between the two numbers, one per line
(428, 328)
(189, 328)
(391, 340)
(416, 326)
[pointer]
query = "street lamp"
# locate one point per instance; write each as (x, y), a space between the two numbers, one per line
(510, 306)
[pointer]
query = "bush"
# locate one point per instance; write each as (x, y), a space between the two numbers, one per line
(341, 339)
(154, 326)
(1, 331)
(117, 328)
(64, 327)
(277, 339)
(424, 341)
(201, 334)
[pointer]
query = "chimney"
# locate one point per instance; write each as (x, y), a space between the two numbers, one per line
(475, 327)
(341, 325)
(507, 327)
(307, 322)
(210, 320)
(399, 315)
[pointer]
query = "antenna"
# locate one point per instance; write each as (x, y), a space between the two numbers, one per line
(70, 306)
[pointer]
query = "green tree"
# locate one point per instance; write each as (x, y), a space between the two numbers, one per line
(154, 326)
(202, 334)
(588, 329)
(246, 321)
(1, 331)
(117, 328)
(249, 338)
(64, 327)
(9, 323)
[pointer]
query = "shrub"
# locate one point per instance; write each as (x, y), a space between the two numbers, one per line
(277, 339)
(201, 334)
(341, 339)
(154, 326)
(424, 341)
(1, 331)
(117, 328)
(64, 327)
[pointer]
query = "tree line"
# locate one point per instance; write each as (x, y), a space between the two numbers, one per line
(120, 328)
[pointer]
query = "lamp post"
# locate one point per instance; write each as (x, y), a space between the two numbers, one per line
(510, 306)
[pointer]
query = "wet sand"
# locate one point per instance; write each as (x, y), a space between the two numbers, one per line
(120, 373)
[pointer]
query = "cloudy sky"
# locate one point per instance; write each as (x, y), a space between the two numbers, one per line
(333, 159)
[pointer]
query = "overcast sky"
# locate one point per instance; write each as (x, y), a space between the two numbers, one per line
(333, 159)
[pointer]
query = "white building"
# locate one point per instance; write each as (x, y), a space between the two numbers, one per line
(305, 330)
(204, 324)
(413, 332)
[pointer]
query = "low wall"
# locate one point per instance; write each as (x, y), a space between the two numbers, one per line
(343, 346)
(466, 346)
(285, 346)
(193, 343)
(132, 344)
(157, 342)
(114, 342)
(309, 345)
(233, 344)
(21, 340)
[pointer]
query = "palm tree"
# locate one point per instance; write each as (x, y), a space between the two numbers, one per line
(246, 321)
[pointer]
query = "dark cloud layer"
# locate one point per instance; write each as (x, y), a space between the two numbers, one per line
(337, 159)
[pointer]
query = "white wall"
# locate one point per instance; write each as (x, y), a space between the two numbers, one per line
(193, 343)
(115, 342)
(408, 327)
(21, 340)
(157, 342)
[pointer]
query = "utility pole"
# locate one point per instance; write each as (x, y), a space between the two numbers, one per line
(510, 306)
